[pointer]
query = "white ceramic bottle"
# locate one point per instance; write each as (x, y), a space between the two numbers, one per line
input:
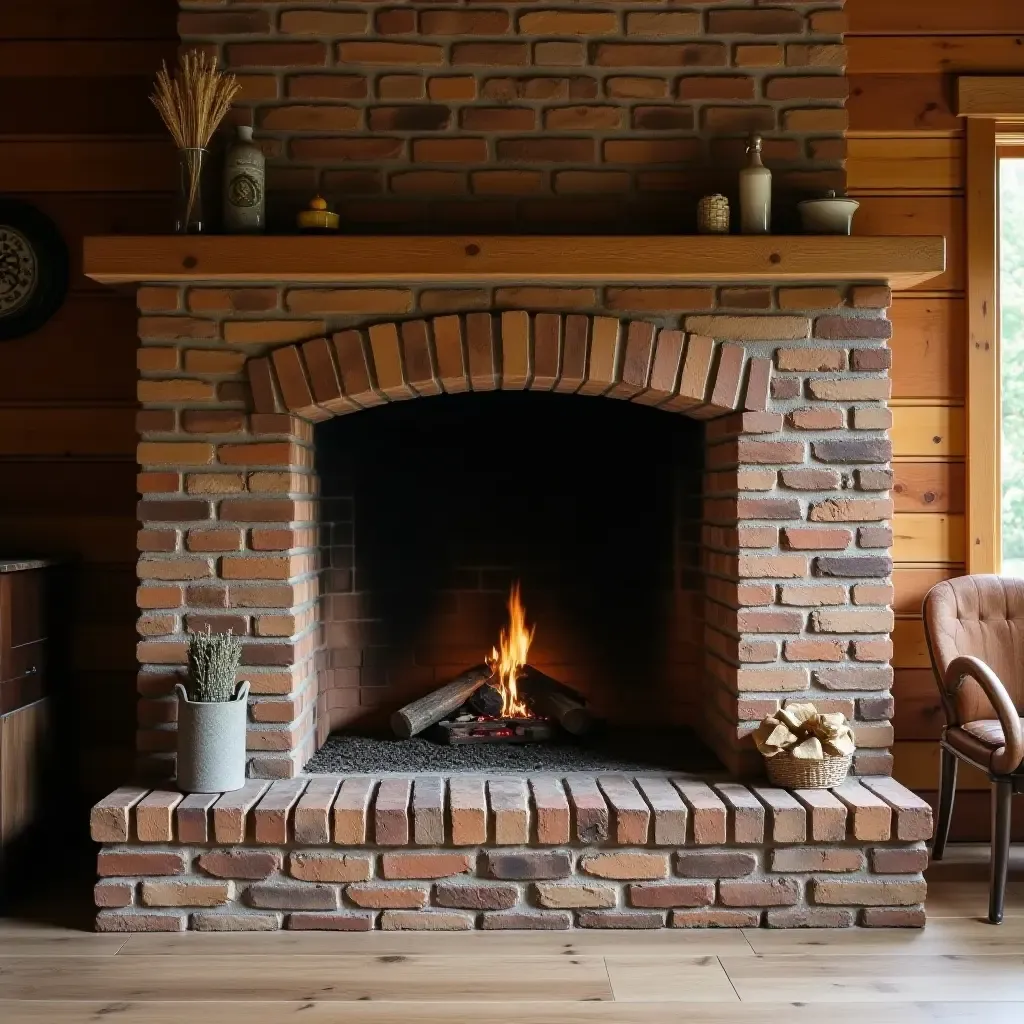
(244, 186)
(755, 193)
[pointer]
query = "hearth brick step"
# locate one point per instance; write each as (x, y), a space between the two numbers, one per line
(606, 851)
(612, 809)
(633, 360)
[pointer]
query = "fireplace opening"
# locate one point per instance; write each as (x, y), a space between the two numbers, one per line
(550, 540)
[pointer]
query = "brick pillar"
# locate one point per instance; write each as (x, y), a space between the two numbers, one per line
(229, 536)
(797, 538)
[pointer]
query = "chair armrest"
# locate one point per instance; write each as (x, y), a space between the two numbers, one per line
(1012, 754)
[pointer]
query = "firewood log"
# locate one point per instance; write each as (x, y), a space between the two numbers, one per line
(486, 701)
(415, 717)
(553, 699)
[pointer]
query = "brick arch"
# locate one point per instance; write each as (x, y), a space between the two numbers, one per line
(513, 351)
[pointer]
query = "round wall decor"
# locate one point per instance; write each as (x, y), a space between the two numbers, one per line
(33, 269)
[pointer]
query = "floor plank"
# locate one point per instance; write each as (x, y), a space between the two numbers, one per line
(970, 899)
(39, 943)
(826, 978)
(645, 979)
(593, 943)
(301, 977)
(40, 1012)
(945, 936)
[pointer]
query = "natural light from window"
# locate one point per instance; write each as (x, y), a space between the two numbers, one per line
(1011, 303)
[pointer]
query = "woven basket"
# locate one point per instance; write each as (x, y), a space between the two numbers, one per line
(799, 773)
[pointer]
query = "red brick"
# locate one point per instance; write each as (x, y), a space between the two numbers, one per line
(114, 863)
(245, 864)
(464, 23)
(893, 917)
(243, 55)
(489, 54)
(377, 896)
(345, 921)
(716, 917)
(809, 917)
(425, 865)
(808, 87)
(776, 892)
(359, 52)
(133, 921)
(468, 896)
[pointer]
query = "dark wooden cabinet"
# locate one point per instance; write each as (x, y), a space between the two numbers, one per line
(24, 710)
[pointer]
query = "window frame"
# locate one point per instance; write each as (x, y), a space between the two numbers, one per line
(994, 109)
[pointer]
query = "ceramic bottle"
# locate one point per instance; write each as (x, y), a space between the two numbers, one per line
(244, 185)
(755, 193)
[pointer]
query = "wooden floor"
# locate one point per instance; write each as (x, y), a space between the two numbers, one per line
(959, 969)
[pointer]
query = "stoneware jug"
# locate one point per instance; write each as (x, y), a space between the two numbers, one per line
(211, 742)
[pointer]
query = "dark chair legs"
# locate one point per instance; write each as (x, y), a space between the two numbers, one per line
(1002, 796)
(947, 790)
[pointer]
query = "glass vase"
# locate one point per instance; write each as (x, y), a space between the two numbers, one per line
(189, 215)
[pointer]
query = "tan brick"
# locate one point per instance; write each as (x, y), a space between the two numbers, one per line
(872, 419)
(170, 453)
(799, 859)
(817, 419)
(874, 893)
(625, 865)
(810, 360)
(430, 921)
(749, 328)
(815, 650)
(811, 596)
(851, 510)
(757, 55)
(185, 894)
(810, 298)
(561, 896)
(853, 389)
(871, 296)
(329, 867)
(716, 917)
(859, 620)
(772, 566)
(134, 921)
(468, 809)
(348, 300)
(776, 892)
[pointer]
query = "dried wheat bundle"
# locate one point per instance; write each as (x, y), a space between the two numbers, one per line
(192, 104)
(213, 660)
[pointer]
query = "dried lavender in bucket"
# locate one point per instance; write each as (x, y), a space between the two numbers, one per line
(213, 660)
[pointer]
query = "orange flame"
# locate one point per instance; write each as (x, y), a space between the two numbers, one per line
(509, 657)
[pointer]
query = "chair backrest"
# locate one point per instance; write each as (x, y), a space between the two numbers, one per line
(982, 617)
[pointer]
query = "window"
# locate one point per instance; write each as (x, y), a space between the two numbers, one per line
(1011, 363)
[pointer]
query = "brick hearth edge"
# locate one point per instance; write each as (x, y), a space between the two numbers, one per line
(358, 854)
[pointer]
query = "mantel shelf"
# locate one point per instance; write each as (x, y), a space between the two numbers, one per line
(902, 261)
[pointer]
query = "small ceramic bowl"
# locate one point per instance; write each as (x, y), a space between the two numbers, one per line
(832, 215)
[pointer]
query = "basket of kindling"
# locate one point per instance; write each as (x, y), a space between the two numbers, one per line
(804, 749)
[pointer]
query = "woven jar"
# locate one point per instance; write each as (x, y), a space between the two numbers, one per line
(801, 773)
(713, 215)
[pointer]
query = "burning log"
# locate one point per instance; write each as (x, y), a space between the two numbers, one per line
(552, 699)
(415, 717)
(486, 701)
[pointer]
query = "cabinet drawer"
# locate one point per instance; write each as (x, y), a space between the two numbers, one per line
(27, 618)
(26, 660)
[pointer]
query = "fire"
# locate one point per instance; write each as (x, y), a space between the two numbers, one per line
(509, 657)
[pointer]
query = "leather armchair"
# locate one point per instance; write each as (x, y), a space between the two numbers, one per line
(975, 631)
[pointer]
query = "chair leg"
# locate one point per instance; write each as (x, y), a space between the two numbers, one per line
(1002, 796)
(947, 790)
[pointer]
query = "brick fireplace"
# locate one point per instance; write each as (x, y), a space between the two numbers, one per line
(701, 424)
(782, 574)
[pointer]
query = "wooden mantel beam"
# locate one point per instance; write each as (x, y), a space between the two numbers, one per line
(902, 261)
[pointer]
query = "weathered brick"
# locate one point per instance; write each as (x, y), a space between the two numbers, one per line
(113, 894)
(815, 650)
(871, 418)
(852, 567)
(713, 864)
(810, 596)
(871, 296)
(468, 896)
(125, 863)
(893, 917)
(809, 917)
(329, 867)
(772, 566)
(526, 920)
(816, 539)
(875, 537)
(245, 864)
(873, 893)
(343, 921)
(378, 896)
(425, 865)
(845, 328)
(185, 894)
(799, 859)
(899, 860)
(425, 921)
(136, 921)
(851, 389)
(624, 919)
(749, 328)
(558, 896)
(625, 865)
(716, 917)
(850, 510)
(691, 894)
(293, 896)
(775, 892)
(811, 360)
(817, 419)
(529, 865)
(855, 678)
(873, 450)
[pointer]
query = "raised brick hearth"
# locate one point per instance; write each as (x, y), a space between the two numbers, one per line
(541, 853)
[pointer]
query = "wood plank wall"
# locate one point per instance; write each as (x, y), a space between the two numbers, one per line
(906, 166)
(79, 139)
